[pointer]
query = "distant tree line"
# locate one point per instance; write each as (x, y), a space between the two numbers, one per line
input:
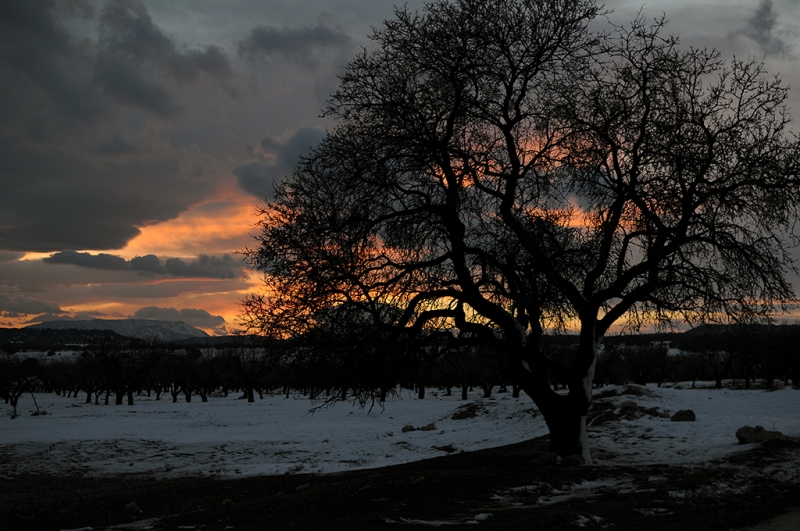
(28, 339)
(367, 365)
(739, 353)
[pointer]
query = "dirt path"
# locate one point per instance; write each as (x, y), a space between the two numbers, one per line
(789, 521)
(498, 489)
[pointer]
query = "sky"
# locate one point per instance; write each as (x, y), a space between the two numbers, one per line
(138, 138)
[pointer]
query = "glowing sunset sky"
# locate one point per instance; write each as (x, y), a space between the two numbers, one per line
(137, 138)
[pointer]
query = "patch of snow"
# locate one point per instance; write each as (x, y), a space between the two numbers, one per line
(592, 520)
(720, 412)
(229, 437)
(585, 489)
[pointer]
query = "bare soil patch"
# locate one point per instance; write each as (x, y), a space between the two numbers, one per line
(495, 489)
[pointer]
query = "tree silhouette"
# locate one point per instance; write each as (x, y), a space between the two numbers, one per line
(17, 377)
(498, 170)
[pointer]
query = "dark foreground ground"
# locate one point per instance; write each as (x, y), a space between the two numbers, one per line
(478, 490)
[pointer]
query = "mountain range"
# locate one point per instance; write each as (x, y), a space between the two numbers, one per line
(138, 328)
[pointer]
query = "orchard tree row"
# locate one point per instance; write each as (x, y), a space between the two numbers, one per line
(367, 366)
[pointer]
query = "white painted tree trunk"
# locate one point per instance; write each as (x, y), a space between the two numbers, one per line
(587, 388)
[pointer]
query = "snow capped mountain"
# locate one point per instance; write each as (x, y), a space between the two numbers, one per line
(138, 328)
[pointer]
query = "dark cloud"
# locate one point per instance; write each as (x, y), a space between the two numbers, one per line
(762, 27)
(54, 200)
(92, 261)
(202, 267)
(148, 263)
(81, 165)
(6, 256)
(133, 52)
(131, 61)
(43, 235)
(78, 8)
(131, 87)
(47, 317)
(193, 317)
(17, 304)
(259, 178)
(205, 266)
(299, 44)
(286, 153)
(116, 145)
(34, 44)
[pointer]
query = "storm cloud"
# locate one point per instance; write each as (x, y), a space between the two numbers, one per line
(93, 261)
(278, 159)
(133, 51)
(148, 263)
(54, 200)
(203, 266)
(12, 305)
(34, 45)
(116, 144)
(301, 44)
(82, 160)
(762, 28)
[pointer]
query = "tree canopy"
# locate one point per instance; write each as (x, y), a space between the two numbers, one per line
(497, 170)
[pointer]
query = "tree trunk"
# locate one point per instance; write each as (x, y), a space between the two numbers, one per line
(130, 397)
(14, 399)
(118, 398)
(420, 392)
(464, 390)
(565, 415)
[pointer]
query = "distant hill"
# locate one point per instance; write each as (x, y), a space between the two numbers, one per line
(138, 328)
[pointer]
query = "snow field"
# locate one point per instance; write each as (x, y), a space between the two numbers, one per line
(719, 412)
(229, 437)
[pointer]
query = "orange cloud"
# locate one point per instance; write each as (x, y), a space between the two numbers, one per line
(219, 225)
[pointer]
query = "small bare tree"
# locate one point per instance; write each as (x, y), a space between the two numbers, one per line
(17, 377)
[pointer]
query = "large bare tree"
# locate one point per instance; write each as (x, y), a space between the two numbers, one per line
(499, 171)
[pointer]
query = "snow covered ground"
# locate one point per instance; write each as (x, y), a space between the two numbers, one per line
(228, 437)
